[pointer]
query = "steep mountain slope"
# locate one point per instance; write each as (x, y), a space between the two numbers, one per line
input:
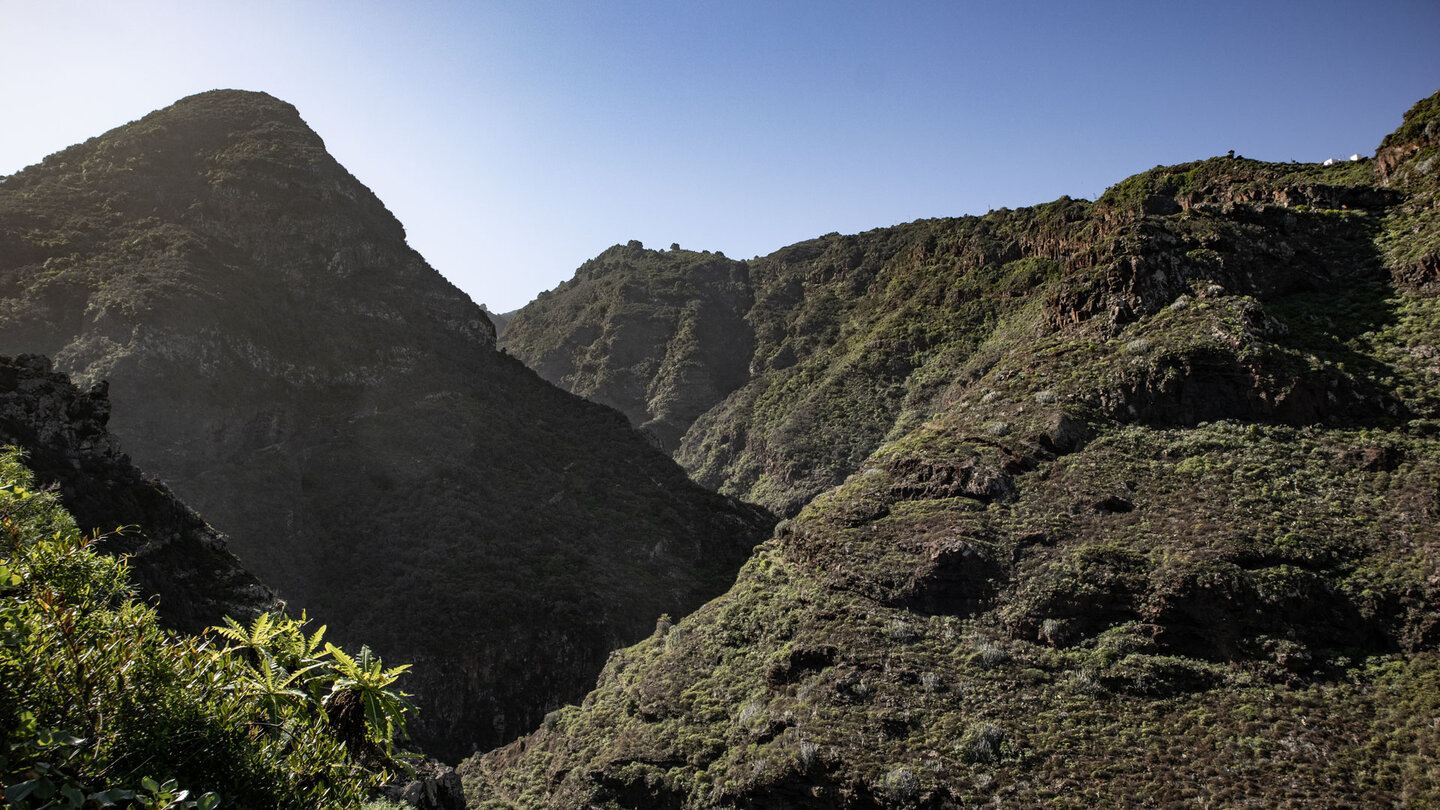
(855, 337)
(499, 319)
(855, 334)
(1164, 535)
(659, 336)
(296, 372)
(841, 341)
(175, 557)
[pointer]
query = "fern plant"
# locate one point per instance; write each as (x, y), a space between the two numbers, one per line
(290, 674)
(100, 706)
(365, 683)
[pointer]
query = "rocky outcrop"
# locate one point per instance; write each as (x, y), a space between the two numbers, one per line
(278, 353)
(180, 563)
(1419, 131)
(435, 787)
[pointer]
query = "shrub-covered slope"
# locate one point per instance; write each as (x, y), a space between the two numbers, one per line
(659, 336)
(1163, 534)
(297, 373)
(851, 339)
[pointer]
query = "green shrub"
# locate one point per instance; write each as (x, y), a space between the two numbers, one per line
(989, 654)
(901, 784)
(982, 743)
(101, 706)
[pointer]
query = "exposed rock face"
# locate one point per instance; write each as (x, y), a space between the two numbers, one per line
(176, 558)
(1418, 132)
(434, 787)
(1151, 519)
(278, 354)
(659, 336)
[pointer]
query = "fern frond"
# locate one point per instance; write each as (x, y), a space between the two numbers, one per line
(346, 664)
(314, 642)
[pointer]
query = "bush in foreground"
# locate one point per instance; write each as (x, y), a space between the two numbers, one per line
(101, 707)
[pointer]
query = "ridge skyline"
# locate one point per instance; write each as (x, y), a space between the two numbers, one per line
(517, 143)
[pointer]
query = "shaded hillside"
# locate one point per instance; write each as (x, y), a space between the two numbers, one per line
(1165, 534)
(659, 336)
(855, 335)
(295, 371)
(856, 339)
(175, 558)
(499, 319)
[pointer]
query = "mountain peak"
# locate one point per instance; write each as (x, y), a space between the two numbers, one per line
(227, 111)
(279, 354)
(221, 98)
(195, 127)
(230, 114)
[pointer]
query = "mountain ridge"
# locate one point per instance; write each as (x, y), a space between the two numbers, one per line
(661, 361)
(817, 399)
(1169, 509)
(293, 369)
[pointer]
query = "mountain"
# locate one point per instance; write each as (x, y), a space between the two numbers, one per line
(499, 319)
(659, 336)
(851, 341)
(297, 373)
(1136, 506)
(176, 559)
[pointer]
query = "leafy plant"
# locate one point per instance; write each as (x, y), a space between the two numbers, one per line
(363, 682)
(101, 707)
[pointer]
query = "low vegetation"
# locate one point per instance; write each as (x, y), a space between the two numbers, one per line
(1144, 516)
(100, 707)
(276, 352)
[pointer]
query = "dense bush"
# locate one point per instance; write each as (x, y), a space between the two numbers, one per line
(100, 707)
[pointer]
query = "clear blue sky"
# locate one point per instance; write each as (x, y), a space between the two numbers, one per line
(517, 139)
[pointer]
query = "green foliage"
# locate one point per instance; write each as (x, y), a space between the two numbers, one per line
(214, 263)
(47, 760)
(103, 708)
(363, 681)
(297, 681)
(1421, 124)
(1170, 511)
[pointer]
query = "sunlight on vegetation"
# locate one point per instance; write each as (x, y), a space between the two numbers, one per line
(101, 707)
